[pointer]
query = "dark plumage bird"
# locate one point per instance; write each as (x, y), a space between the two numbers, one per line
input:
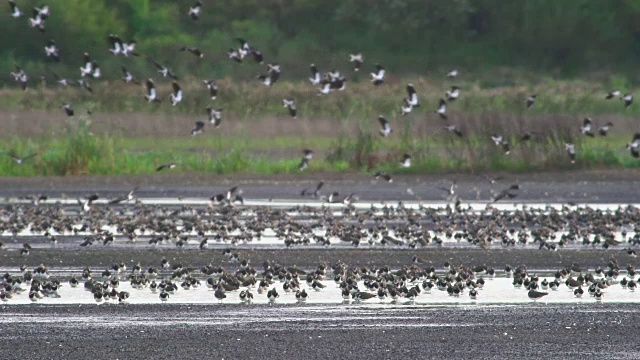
(536, 295)
(152, 95)
(531, 100)
(570, 148)
(198, 128)
(510, 193)
(290, 104)
(587, 127)
(215, 116)
(168, 166)
(195, 10)
(194, 50)
(377, 77)
(357, 61)
(52, 51)
(386, 129)
(442, 109)
(212, 87)
(68, 109)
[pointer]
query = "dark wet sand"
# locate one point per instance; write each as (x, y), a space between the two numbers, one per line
(533, 331)
(576, 186)
(101, 257)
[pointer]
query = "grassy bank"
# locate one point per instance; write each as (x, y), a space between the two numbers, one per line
(81, 151)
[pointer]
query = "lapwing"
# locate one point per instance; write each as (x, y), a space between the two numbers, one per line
(531, 99)
(304, 164)
(499, 141)
(127, 76)
(383, 176)
(386, 129)
(628, 100)
(234, 55)
(195, 10)
(213, 88)
(20, 76)
(15, 11)
(152, 95)
(510, 193)
(198, 128)
(570, 148)
(325, 87)
(454, 129)
(116, 45)
(20, 160)
(315, 78)
(87, 202)
(634, 145)
(412, 96)
(290, 104)
(163, 70)
(587, 128)
(536, 295)
(406, 161)
(453, 93)
(68, 109)
(357, 61)
(377, 77)
(194, 50)
(442, 109)
(604, 129)
(315, 193)
(215, 116)
(127, 198)
(176, 96)
(453, 73)
(612, 94)
(257, 55)
(52, 51)
(87, 68)
(168, 166)
(406, 107)
(37, 21)
(307, 154)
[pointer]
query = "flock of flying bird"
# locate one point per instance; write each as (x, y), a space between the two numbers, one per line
(328, 82)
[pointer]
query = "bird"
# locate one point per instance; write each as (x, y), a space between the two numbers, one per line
(152, 95)
(176, 96)
(68, 109)
(301, 296)
(246, 296)
(168, 166)
(195, 10)
(128, 197)
(304, 164)
(386, 129)
(612, 94)
(406, 107)
(212, 87)
(509, 192)
(536, 295)
(578, 292)
(325, 89)
(315, 193)
(531, 99)
(194, 50)
(604, 129)
(52, 51)
(87, 68)
(215, 116)
(20, 160)
(473, 294)
(377, 77)
(315, 78)
(127, 76)
(442, 109)
(628, 100)
(20, 76)
(37, 21)
(308, 154)
(290, 104)
(633, 146)
(234, 55)
(15, 11)
(357, 61)
(454, 129)
(219, 294)
(406, 161)
(272, 295)
(198, 128)
(452, 73)
(587, 128)
(87, 202)
(119, 47)
(453, 94)
(163, 70)
(383, 176)
(570, 148)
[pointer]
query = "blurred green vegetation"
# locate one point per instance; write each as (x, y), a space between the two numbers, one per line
(480, 37)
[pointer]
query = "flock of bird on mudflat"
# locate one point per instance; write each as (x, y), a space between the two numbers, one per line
(328, 82)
